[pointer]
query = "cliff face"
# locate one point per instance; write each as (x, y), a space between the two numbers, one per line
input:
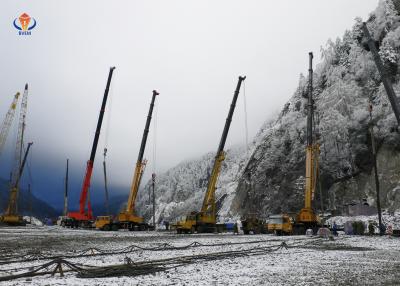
(271, 179)
(343, 83)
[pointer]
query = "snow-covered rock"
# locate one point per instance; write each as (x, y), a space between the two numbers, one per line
(33, 220)
(271, 180)
(181, 189)
(344, 82)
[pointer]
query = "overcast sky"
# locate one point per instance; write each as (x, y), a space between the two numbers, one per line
(192, 52)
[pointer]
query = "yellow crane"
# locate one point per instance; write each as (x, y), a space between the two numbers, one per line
(205, 220)
(5, 127)
(128, 219)
(306, 218)
(11, 216)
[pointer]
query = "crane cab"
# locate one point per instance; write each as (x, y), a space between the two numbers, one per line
(197, 222)
(280, 224)
(104, 222)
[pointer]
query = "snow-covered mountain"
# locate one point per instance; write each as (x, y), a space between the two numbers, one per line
(343, 83)
(271, 180)
(181, 189)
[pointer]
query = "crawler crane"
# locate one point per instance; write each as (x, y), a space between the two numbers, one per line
(205, 220)
(128, 219)
(5, 127)
(11, 216)
(83, 218)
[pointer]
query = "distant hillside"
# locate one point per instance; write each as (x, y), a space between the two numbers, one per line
(116, 204)
(40, 209)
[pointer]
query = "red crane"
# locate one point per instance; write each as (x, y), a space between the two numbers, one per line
(83, 218)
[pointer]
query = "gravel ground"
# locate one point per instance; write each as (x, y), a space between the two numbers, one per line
(348, 260)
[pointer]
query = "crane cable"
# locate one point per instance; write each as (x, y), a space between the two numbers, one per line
(30, 185)
(153, 175)
(108, 120)
(155, 137)
(245, 116)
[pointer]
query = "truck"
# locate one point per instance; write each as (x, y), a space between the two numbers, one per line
(280, 224)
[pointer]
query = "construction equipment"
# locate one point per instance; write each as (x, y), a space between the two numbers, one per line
(105, 182)
(11, 214)
(205, 220)
(84, 218)
(384, 76)
(5, 127)
(395, 107)
(307, 218)
(128, 219)
(66, 190)
(253, 224)
(280, 224)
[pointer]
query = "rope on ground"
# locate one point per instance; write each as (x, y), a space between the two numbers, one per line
(44, 270)
(130, 268)
(93, 251)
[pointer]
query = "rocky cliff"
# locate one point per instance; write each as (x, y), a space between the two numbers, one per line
(271, 179)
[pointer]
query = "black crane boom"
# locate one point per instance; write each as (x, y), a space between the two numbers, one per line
(230, 114)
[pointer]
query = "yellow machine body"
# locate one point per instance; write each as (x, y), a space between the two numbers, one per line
(129, 214)
(280, 224)
(12, 219)
(207, 216)
(307, 215)
(102, 221)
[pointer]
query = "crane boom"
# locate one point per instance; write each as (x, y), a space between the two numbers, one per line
(306, 218)
(208, 205)
(5, 127)
(205, 220)
(12, 202)
(127, 219)
(140, 164)
(310, 154)
(20, 137)
(84, 197)
(384, 76)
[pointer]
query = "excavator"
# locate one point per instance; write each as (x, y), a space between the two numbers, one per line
(83, 218)
(306, 218)
(205, 220)
(128, 219)
(11, 216)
